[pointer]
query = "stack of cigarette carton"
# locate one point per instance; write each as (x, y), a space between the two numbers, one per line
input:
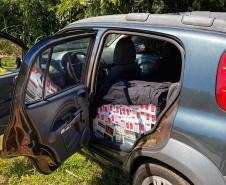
(122, 124)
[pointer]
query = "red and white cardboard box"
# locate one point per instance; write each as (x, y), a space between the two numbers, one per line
(119, 134)
(110, 130)
(151, 109)
(125, 122)
(99, 127)
(130, 135)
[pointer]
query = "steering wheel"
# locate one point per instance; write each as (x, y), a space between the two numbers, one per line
(74, 64)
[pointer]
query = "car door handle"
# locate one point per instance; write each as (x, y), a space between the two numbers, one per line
(71, 123)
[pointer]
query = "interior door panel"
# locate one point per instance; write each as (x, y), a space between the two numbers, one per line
(63, 121)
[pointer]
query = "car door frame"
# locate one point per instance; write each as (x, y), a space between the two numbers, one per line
(12, 139)
(110, 153)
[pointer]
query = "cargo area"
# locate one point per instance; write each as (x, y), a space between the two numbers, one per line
(138, 77)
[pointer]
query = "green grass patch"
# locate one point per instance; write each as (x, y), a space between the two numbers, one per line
(2, 71)
(8, 62)
(1, 138)
(77, 170)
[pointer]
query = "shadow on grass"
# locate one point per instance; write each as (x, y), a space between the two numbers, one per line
(21, 167)
(78, 169)
(21, 171)
(110, 175)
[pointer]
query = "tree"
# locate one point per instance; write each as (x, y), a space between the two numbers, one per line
(32, 20)
(38, 19)
(9, 17)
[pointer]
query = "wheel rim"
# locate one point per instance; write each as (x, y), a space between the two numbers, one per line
(156, 180)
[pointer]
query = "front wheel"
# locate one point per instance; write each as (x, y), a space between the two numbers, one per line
(154, 174)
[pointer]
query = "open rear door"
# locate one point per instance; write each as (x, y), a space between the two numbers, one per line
(50, 116)
(10, 47)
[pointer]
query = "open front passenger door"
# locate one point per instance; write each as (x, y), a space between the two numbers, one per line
(50, 116)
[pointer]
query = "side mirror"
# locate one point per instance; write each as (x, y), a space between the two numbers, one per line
(10, 63)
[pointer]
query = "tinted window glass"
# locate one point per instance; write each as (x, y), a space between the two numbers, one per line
(148, 46)
(66, 65)
(36, 80)
(59, 67)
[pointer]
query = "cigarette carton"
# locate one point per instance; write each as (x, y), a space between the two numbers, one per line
(109, 130)
(122, 124)
(100, 127)
(119, 134)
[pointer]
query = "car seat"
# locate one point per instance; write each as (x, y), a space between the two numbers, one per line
(125, 67)
(171, 64)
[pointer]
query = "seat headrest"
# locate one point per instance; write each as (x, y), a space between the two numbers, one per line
(125, 52)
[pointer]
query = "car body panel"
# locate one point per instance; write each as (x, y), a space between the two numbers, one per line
(196, 90)
(184, 159)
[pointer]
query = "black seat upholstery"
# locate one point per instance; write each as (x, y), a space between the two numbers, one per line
(171, 64)
(125, 67)
(168, 68)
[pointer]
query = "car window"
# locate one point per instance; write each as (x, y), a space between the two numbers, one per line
(110, 39)
(148, 46)
(64, 64)
(9, 52)
(36, 80)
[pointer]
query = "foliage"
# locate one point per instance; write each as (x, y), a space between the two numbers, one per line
(9, 63)
(7, 48)
(29, 20)
(37, 19)
(10, 16)
(32, 20)
(2, 72)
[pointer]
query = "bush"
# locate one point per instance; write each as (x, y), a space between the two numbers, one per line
(32, 20)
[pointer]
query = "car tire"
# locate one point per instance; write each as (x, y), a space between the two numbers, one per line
(154, 174)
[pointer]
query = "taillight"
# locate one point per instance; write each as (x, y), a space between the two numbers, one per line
(221, 83)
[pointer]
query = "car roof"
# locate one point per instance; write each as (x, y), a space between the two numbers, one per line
(212, 21)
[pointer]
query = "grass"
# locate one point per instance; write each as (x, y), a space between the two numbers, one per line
(78, 169)
(2, 71)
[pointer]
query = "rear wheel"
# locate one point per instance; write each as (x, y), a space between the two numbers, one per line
(154, 174)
